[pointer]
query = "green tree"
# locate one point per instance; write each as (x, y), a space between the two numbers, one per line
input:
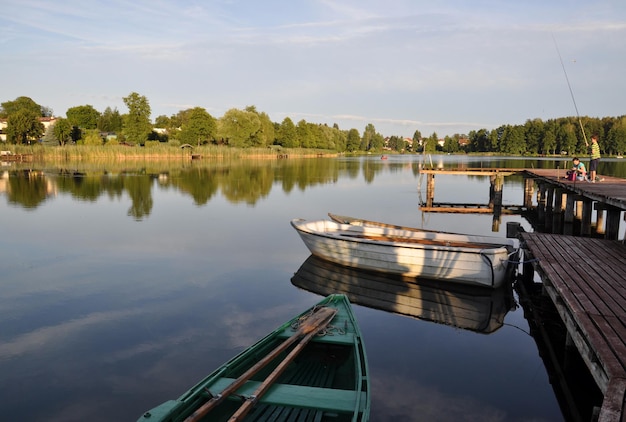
(377, 142)
(431, 143)
(84, 117)
(200, 127)
(372, 140)
(62, 131)
(306, 138)
(353, 141)
(451, 144)
(48, 138)
(110, 121)
(23, 127)
(339, 139)
(92, 137)
(396, 143)
(479, 141)
(566, 137)
(238, 127)
(548, 141)
(417, 140)
(327, 137)
(316, 135)
(513, 141)
(162, 122)
(534, 130)
(287, 135)
(137, 124)
(617, 137)
(21, 103)
(368, 134)
(265, 135)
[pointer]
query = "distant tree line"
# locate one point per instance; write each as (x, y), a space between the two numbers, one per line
(250, 128)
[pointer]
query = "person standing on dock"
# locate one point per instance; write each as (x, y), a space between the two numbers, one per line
(594, 159)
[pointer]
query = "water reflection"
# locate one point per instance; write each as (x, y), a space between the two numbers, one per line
(147, 309)
(466, 307)
(239, 181)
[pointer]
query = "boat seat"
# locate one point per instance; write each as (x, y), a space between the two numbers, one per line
(326, 399)
(346, 338)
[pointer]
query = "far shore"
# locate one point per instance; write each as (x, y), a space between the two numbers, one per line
(168, 152)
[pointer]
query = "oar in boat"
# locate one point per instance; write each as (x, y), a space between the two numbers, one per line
(311, 326)
(262, 389)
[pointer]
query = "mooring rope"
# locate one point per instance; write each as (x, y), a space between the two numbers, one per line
(522, 261)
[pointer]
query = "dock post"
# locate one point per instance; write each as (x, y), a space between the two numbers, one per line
(430, 189)
(569, 209)
(612, 223)
(550, 197)
(587, 209)
(496, 182)
(578, 211)
(541, 203)
(599, 217)
(549, 208)
(568, 217)
(557, 213)
(529, 185)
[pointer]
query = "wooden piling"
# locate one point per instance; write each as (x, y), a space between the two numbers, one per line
(585, 223)
(430, 189)
(529, 186)
(612, 223)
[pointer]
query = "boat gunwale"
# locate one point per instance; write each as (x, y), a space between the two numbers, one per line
(303, 226)
(353, 341)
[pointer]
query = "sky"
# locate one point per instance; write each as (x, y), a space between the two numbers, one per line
(442, 67)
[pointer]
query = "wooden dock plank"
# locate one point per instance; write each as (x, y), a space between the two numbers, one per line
(614, 405)
(586, 280)
(603, 285)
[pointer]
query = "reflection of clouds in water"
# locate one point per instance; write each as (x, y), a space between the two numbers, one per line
(242, 328)
(396, 399)
(47, 337)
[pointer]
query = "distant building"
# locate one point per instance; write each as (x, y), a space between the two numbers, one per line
(46, 121)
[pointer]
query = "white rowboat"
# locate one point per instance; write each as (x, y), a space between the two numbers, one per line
(459, 258)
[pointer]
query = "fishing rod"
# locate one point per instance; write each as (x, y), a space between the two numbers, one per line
(570, 91)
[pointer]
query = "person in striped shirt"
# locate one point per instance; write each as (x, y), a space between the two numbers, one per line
(595, 158)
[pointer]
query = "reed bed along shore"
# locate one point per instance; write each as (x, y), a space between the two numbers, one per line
(155, 152)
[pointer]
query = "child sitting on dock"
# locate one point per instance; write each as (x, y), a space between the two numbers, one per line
(578, 171)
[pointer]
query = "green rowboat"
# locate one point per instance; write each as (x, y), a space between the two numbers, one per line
(312, 368)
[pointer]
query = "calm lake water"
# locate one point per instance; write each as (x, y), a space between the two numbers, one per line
(122, 286)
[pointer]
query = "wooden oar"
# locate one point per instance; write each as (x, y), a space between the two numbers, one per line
(313, 325)
(262, 389)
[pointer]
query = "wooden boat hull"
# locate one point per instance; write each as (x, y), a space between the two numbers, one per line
(467, 307)
(474, 260)
(328, 380)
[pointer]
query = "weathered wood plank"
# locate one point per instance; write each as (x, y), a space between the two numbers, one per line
(614, 404)
(585, 278)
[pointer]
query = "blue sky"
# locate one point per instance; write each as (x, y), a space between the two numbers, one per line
(403, 65)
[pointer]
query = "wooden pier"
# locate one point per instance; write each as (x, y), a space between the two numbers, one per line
(585, 279)
(561, 202)
(494, 206)
(583, 276)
